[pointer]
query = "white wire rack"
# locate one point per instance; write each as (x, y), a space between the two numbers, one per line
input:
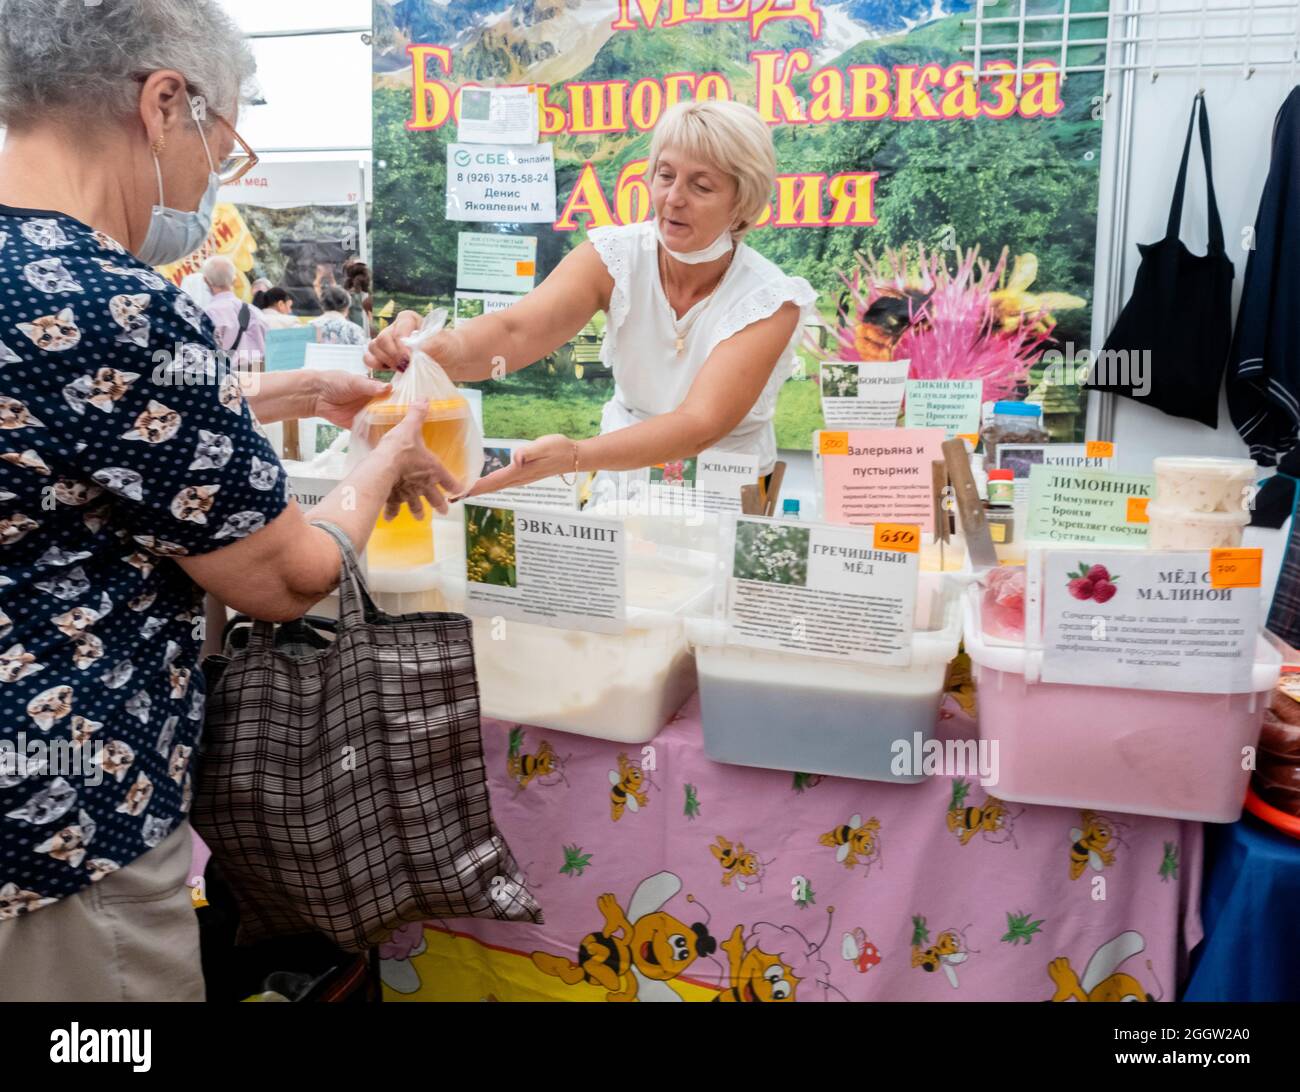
(1131, 43)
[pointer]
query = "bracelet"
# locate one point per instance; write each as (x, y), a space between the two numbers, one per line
(574, 472)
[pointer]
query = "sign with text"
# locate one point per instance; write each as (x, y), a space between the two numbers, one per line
(1021, 458)
(547, 493)
(819, 590)
(881, 475)
(547, 567)
(1091, 506)
(862, 395)
(501, 182)
(950, 404)
(497, 115)
(1146, 621)
(496, 263)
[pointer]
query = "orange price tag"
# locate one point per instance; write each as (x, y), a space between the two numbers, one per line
(1137, 509)
(971, 438)
(902, 537)
(1099, 449)
(1236, 568)
(525, 269)
(834, 443)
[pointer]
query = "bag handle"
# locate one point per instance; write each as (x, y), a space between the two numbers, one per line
(1176, 208)
(354, 596)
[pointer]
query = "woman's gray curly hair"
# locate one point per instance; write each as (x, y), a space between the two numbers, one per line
(79, 59)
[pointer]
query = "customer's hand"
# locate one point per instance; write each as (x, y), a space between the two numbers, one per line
(420, 476)
(543, 458)
(340, 396)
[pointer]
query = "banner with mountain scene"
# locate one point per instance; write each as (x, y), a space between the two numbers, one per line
(944, 220)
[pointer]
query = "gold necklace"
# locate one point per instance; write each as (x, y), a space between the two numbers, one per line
(682, 334)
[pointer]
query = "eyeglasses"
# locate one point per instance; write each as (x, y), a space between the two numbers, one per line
(239, 162)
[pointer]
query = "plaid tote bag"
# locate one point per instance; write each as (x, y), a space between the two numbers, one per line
(341, 781)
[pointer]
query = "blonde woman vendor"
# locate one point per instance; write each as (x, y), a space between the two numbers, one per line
(701, 329)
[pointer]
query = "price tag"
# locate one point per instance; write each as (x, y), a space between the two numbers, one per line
(834, 443)
(1137, 509)
(971, 438)
(1100, 449)
(1236, 568)
(902, 537)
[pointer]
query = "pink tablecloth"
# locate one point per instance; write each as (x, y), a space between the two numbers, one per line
(921, 908)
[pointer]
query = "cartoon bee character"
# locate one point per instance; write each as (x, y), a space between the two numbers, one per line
(854, 841)
(946, 953)
(959, 684)
(993, 819)
(626, 791)
(773, 962)
(635, 955)
(859, 951)
(739, 865)
(541, 767)
(1100, 981)
(1090, 845)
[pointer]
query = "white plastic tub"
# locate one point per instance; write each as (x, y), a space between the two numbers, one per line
(1147, 752)
(1198, 484)
(808, 714)
(621, 687)
(1178, 529)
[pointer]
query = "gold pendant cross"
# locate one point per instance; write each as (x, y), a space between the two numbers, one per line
(681, 345)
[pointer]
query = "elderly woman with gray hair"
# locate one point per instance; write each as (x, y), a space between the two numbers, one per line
(133, 477)
(701, 329)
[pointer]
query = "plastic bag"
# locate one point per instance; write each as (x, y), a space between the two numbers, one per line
(450, 431)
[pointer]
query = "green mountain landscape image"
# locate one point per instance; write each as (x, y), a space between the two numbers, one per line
(946, 192)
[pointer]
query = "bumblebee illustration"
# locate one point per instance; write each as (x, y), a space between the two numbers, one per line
(626, 792)
(854, 842)
(1091, 844)
(543, 765)
(992, 819)
(739, 866)
(1101, 980)
(946, 953)
(773, 962)
(635, 954)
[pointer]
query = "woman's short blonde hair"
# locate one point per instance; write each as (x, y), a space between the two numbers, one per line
(730, 137)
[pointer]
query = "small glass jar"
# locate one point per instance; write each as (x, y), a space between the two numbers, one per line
(1002, 487)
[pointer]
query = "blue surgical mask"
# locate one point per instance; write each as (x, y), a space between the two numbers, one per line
(173, 234)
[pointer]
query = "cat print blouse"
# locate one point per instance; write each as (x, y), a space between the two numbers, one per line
(124, 443)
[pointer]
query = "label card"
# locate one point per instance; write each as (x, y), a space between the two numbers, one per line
(470, 305)
(950, 404)
(497, 115)
(547, 493)
(496, 263)
(1089, 506)
(819, 590)
(1146, 621)
(1020, 458)
(880, 475)
(501, 183)
(862, 395)
(708, 482)
(547, 567)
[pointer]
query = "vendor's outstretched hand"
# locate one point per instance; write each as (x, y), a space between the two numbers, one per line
(543, 458)
(387, 353)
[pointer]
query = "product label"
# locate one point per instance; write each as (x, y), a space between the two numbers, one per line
(950, 404)
(1090, 506)
(862, 395)
(496, 263)
(823, 591)
(1146, 621)
(497, 115)
(882, 475)
(545, 566)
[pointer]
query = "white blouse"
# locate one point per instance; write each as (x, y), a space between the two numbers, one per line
(650, 378)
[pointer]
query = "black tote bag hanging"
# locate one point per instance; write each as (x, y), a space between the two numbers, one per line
(1180, 313)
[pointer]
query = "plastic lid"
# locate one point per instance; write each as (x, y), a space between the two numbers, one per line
(1018, 409)
(1002, 475)
(1205, 464)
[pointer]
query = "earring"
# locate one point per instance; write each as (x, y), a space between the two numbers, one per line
(158, 145)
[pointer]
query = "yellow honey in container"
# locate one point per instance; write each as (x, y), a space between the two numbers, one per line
(407, 542)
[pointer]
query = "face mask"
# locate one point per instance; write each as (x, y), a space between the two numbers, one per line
(715, 250)
(174, 235)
